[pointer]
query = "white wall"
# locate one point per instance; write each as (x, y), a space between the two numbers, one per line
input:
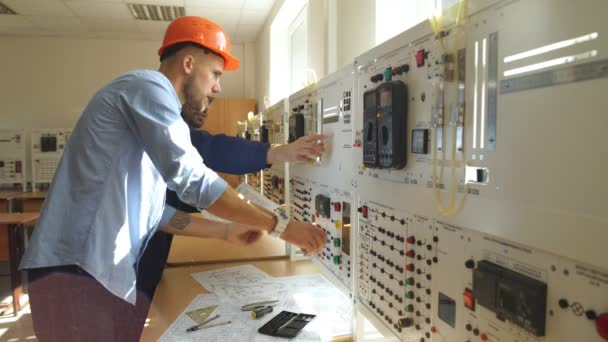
(356, 29)
(47, 81)
(339, 30)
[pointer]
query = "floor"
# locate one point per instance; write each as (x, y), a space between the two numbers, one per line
(13, 329)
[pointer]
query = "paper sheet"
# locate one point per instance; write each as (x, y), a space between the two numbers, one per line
(311, 294)
(241, 284)
(242, 328)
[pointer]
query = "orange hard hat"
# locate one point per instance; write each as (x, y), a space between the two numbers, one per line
(200, 31)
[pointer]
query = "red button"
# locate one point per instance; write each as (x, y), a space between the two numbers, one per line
(601, 323)
(469, 299)
(410, 253)
(364, 212)
(411, 240)
(337, 206)
(433, 330)
(409, 267)
(420, 58)
(483, 337)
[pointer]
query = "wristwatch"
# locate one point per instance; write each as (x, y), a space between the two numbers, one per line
(282, 219)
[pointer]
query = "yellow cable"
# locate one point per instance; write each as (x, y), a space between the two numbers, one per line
(437, 26)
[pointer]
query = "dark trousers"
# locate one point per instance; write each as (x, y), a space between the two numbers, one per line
(68, 305)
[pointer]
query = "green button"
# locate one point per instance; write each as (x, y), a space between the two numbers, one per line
(387, 74)
(336, 242)
(409, 308)
(409, 295)
(409, 281)
(337, 260)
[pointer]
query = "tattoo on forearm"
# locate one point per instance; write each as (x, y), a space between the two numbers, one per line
(180, 220)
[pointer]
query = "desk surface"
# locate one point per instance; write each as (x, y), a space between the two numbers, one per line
(31, 195)
(177, 289)
(9, 194)
(18, 218)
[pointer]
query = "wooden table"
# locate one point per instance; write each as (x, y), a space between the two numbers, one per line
(8, 196)
(177, 289)
(14, 223)
(29, 201)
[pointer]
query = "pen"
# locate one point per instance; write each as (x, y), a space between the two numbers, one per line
(199, 327)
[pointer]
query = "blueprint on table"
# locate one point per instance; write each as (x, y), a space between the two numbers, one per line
(311, 294)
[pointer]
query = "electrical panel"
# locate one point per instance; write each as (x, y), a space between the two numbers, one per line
(471, 219)
(396, 251)
(275, 185)
(12, 158)
(330, 209)
(482, 230)
(254, 123)
(241, 132)
(321, 191)
(302, 114)
(46, 149)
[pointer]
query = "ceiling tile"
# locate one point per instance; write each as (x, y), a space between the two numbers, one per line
(250, 17)
(249, 29)
(157, 27)
(101, 9)
(157, 2)
(248, 33)
(58, 24)
(247, 37)
(103, 24)
(232, 4)
(40, 8)
(99, 1)
(259, 4)
(222, 17)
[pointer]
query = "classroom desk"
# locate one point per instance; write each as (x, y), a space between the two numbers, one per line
(177, 289)
(14, 224)
(29, 201)
(6, 199)
(7, 205)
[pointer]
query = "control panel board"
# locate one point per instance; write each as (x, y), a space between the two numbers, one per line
(467, 229)
(47, 146)
(254, 122)
(330, 209)
(322, 190)
(12, 158)
(275, 185)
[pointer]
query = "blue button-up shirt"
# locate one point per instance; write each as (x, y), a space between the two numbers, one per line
(108, 193)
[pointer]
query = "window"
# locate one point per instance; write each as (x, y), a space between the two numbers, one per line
(288, 50)
(298, 52)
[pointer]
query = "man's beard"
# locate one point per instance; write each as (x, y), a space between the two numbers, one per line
(193, 102)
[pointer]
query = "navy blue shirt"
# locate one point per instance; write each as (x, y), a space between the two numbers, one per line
(220, 153)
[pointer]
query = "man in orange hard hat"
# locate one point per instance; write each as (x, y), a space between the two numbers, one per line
(107, 197)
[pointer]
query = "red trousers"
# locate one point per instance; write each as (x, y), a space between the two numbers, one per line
(68, 305)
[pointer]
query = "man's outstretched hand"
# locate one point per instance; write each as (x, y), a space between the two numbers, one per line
(306, 236)
(306, 149)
